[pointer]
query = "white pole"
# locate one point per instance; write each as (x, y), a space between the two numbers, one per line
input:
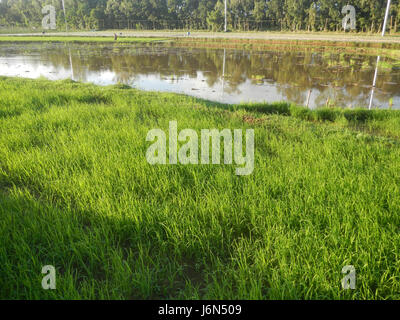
(226, 6)
(379, 57)
(65, 16)
(386, 18)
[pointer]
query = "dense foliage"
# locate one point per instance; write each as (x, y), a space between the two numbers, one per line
(201, 14)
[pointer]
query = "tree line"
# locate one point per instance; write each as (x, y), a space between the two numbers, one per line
(293, 15)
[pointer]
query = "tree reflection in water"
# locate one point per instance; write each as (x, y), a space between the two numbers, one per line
(227, 75)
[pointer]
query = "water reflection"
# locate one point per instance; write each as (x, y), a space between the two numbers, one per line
(225, 75)
(70, 63)
(371, 100)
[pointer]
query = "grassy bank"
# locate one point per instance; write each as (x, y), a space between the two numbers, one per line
(76, 39)
(77, 192)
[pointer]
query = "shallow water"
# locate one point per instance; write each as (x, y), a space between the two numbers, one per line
(225, 75)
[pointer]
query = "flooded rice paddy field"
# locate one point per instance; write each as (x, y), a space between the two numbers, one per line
(223, 75)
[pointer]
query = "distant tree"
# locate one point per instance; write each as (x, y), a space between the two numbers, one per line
(313, 15)
(215, 18)
(259, 12)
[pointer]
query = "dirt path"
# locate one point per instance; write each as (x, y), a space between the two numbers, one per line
(232, 35)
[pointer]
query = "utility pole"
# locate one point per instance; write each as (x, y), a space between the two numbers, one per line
(226, 6)
(386, 18)
(379, 57)
(65, 16)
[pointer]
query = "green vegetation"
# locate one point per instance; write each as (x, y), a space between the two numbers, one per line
(76, 192)
(387, 49)
(380, 123)
(389, 65)
(75, 39)
(293, 15)
(391, 50)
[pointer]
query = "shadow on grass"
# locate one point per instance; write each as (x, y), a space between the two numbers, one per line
(95, 256)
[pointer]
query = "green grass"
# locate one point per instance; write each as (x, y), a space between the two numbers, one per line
(75, 39)
(76, 192)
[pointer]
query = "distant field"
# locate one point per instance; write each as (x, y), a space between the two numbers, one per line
(260, 35)
(388, 46)
(39, 38)
(76, 192)
(371, 44)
